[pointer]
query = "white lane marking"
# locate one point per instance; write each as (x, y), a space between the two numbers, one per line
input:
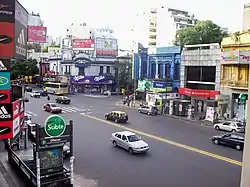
(89, 112)
(78, 109)
(68, 109)
(88, 109)
(63, 111)
(32, 113)
(82, 114)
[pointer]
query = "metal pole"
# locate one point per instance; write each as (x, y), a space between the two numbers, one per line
(72, 158)
(127, 70)
(38, 174)
(26, 136)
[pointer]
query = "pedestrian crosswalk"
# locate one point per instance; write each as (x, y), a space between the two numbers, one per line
(72, 109)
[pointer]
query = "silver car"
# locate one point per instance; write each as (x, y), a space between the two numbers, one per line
(149, 110)
(129, 141)
(231, 126)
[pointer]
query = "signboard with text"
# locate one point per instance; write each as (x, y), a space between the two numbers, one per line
(106, 48)
(235, 57)
(83, 45)
(37, 34)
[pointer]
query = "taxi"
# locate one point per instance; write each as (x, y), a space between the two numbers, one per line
(117, 116)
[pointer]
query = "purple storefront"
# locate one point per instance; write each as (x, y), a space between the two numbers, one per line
(92, 84)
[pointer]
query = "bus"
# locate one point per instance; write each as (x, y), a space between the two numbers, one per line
(56, 88)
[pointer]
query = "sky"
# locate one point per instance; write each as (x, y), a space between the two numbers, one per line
(121, 15)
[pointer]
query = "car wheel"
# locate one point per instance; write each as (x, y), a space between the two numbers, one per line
(106, 117)
(139, 111)
(130, 150)
(233, 130)
(51, 111)
(238, 147)
(114, 143)
(116, 120)
(217, 127)
(216, 142)
(148, 113)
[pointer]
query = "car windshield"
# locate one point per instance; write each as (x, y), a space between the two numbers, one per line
(239, 124)
(53, 105)
(123, 114)
(133, 138)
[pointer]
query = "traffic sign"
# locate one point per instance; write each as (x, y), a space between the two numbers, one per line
(54, 126)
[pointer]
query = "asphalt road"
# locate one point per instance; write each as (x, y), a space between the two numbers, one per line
(181, 155)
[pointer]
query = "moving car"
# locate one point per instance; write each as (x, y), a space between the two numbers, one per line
(35, 94)
(27, 118)
(149, 110)
(117, 116)
(231, 126)
(44, 93)
(52, 107)
(129, 141)
(28, 89)
(32, 138)
(63, 100)
(235, 140)
(26, 99)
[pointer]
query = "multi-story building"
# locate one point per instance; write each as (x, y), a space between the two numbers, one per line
(235, 60)
(246, 17)
(200, 76)
(35, 19)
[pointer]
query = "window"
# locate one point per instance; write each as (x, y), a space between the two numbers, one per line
(160, 70)
(177, 72)
(101, 70)
(153, 68)
(208, 73)
(119, 136)
(81, 71)
(124, 138)
(63, 85)
(167, 70)
(133, 138)
(193, 73)
(108, 69)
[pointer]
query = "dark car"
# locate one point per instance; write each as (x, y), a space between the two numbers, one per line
(28, 89)
(63, 100)
(44, 93)
(235, 140)
(53, 108)
(117, 116)
(32, 138)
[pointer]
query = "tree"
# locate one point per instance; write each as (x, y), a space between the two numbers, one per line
(19, 68)
(46, 49)
(124, 77)
(204, 32)
(36, 46)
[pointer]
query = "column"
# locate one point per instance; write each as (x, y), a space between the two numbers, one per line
(156, 70)
(164, 67)
(148, 68)
(139, 70)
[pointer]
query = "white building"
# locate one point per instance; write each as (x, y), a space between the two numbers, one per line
(35, 19)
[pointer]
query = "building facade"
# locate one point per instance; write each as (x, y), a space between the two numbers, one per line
(35, 20)
(200, 76)
(235, 60)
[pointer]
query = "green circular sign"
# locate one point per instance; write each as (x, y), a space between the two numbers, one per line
(54, 126)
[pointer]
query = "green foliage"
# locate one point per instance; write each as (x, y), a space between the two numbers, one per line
(204, 32)
(124, 74)
(45, 50)
(22, 68)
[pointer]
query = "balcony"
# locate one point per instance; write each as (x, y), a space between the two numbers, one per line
(235, 57)
(234, 84)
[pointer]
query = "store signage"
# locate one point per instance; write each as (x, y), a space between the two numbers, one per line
(159, 84)
(6, 130)
(4, 80)
(106, 48)
(7, 11)
(55, 126)
(236, 56)
(4, 65)
(198, 93)
(6, 39)
(16, 108)
(83, 45)
(6, 112)
(92, 79)
(37, 34)
(16, 126)
(4, 96)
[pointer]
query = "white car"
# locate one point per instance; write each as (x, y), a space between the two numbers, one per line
(27, 118)
(129, 141)
(231, 126)
(35, 94)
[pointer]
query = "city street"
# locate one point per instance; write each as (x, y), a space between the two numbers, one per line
(181, 155)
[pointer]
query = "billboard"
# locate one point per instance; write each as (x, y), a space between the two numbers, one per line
(37, 34)
(83, 45)
(21, 28)
(7, 11)
(6, 40)
(106, 48)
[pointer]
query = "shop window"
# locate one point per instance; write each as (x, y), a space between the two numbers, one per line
(208, 73)
(193, 73)
(160, 70)
(167, 70)
(81, 71)
(108, 69)
(101, 70)
(177, 71)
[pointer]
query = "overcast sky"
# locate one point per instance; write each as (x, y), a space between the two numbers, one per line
(120, 15)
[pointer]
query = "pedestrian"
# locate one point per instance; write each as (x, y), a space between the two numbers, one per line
(48, 98)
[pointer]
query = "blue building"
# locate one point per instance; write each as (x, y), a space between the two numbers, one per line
(164, 65)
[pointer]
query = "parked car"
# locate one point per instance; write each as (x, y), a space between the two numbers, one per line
(35, 94)
(129, 141)
(63, 100)
(117, 116)
(149, 110)
(44, 93)
(26, 99)
(28, 89)
(32, 138)
(231, 126)
(235, 140)
(52, 107)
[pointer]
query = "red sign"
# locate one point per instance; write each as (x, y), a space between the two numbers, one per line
(6, 130)
(37, 34)
(106, 53)
(16, 108)
(6, 39)
(198, 93)
(83, 44)
(4, 96)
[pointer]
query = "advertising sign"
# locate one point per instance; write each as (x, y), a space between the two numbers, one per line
(37, 34)
(6, 40)
(198, 93)
(162, 87)
(83, 45)
(6, 130)
(5, 112)
(4, 65)
(21, 35)
(92, 79)
(7, 11)
(4, 96)
(4, 80)
(106, 48)
(16, 126)
(16, 109)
